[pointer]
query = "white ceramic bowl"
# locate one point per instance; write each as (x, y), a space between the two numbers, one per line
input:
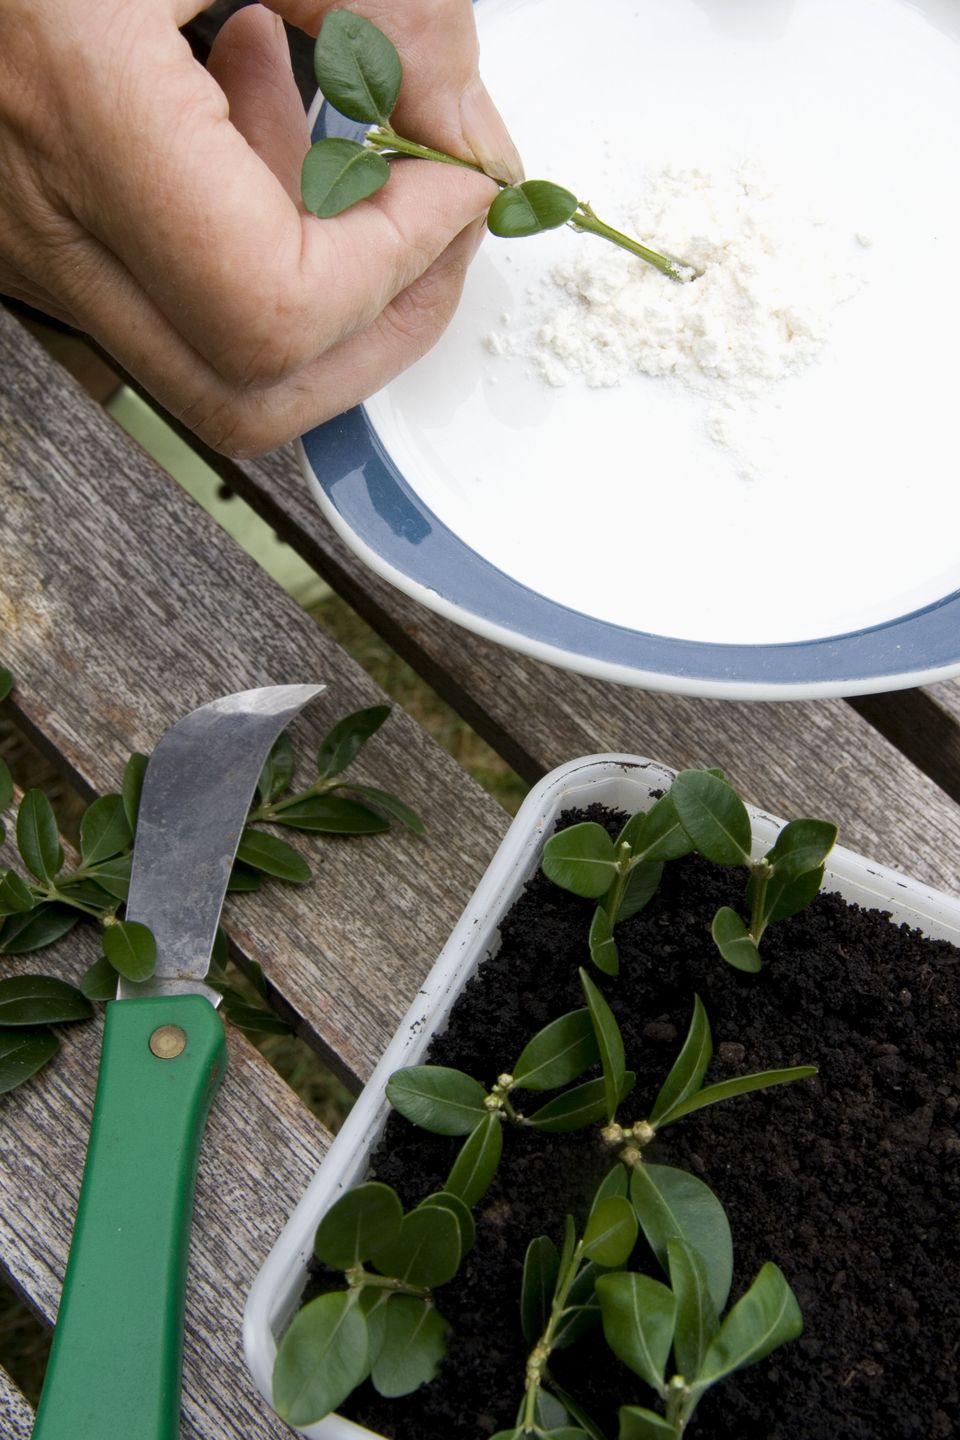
(621, 782)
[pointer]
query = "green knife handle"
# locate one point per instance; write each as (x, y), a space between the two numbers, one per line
(115, 1366)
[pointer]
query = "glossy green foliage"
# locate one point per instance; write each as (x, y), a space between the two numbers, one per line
(131, 949)
(609, 1043)
(357, 67)
(22, 1053)
(577, 1108)
(671, 1204)
(41, 1000)
(321, 1359)
(531, 208)
(385, 1324)
(438, 1098)
(700, 812)
(42, 905)
(337, 173)
(558, 1054)
(714, 817)
(476, 1164)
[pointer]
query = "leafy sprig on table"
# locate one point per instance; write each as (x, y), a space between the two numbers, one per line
(700, 812)
(44, 903)
(360, 73)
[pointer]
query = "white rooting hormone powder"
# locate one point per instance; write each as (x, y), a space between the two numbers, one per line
(761, 309)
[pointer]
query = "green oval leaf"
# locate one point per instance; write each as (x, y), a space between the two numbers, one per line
(740, 1085)
(610, 1043)
(583, 1105)
(541, 1268)
(582, 859)
(611, 1231)
(357, 67)
(104, 830)
(321, 1358)
(38, 838)
(788, 897)
(332, 815)
(638, 1423)
(41, 1000)
(413, 1343)
(252, 1020)
(340, 747)
(714, 817)
(272, 856)
(688, 1069)
(132, 786)
(802, 845)
(656, 834)
(444, 1101)
(767, 1316)
(277, 773)
(697, 1321)
(732, 939)
(446, 1200)
(15, 896)
(638, 1319)
(674, 1205)
(113, 876)
(558, 1053)
(21, 934)
(603, 947)
(476, 1165)
(99, 982)
(531, 208)
(425, 1251)
(642, 883)
(22, 1054)
(131, 949)
(353, 1227)
(389, 805)
(242, 881)
(338, 173)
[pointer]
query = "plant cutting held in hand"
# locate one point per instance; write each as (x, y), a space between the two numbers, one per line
(359, 72)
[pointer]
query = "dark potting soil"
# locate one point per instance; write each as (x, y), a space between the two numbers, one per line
(849, 1181)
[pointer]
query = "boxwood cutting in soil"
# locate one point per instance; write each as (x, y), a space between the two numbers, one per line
(850, 1181)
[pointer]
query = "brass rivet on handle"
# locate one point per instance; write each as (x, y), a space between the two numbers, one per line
(168, 1042)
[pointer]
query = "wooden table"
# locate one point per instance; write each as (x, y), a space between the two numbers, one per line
(123, 605)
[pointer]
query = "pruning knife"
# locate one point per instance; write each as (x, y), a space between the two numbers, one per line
(115, 1367)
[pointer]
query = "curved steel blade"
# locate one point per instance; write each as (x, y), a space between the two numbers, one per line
(196, 794)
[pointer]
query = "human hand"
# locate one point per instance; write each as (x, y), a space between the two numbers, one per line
(155, 205)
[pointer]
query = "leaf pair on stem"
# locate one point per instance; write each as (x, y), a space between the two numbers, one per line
(359, 72)
(700, 812)
(385, 1324)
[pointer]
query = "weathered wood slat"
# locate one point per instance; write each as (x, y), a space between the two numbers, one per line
(16, 1417)
(122, 605)
(924, 725)
(260, 1149)
(819, 757)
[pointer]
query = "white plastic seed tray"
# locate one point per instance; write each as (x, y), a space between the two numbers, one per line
(623, 782)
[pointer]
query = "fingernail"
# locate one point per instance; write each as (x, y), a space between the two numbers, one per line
(487, 136)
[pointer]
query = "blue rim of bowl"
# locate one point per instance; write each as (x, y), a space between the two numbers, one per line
(377, 512)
